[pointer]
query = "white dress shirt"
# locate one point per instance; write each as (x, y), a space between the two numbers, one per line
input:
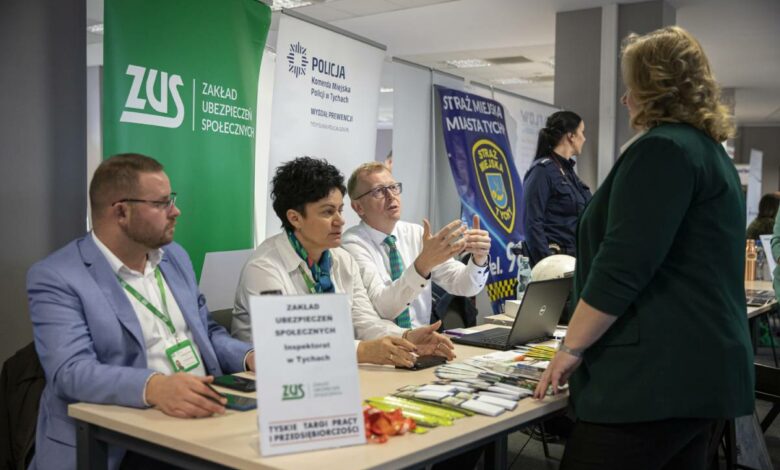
(411, 290)
(157, 336)
(274, 266)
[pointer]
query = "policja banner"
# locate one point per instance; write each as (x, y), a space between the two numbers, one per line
(180, 85)
(326, 94)
(480, 157)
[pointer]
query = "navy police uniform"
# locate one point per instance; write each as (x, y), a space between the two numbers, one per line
(554, 197)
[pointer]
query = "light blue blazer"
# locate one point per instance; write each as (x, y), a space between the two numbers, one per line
(90, 342)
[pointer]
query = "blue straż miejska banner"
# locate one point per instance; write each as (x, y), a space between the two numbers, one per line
(481, 161)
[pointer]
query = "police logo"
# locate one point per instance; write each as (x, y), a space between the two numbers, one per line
(495, 182)
(297, 60)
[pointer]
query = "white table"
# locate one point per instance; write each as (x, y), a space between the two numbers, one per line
(232, 440)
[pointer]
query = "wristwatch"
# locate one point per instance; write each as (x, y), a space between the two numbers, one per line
(568, 350)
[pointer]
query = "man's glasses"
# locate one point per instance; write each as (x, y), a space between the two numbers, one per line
(165, 204)
(382, 191)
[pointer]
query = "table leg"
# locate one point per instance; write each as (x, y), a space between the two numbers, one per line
(91, 453)
(495, 453)
(772, 340)
(753, 325)
(750, 442)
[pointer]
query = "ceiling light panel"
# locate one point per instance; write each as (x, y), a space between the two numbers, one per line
(467, 63)
(512, 60)
(512, 81)
(289, 4)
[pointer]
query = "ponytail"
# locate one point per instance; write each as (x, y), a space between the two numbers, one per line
(558, 125)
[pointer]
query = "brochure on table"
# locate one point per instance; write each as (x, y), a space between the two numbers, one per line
(766, 243)
(308, 389)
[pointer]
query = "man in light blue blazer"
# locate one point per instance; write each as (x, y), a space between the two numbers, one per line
(118, 318)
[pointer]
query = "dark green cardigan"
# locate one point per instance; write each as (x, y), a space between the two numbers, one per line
(662, 247)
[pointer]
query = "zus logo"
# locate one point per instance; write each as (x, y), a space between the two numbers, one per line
(292, 392)
(159, 104)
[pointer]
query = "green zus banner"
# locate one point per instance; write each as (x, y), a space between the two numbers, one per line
(180, 85)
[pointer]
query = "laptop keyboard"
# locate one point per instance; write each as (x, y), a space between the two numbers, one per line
(498, 338)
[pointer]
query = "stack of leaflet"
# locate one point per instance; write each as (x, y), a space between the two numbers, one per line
(478, 375)
(523, 362)
(470, 388)
(476, 395)
(489, 385)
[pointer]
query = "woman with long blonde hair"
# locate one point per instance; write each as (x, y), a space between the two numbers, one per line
(658, 349)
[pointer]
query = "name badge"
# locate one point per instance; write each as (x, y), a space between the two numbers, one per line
(182, 356)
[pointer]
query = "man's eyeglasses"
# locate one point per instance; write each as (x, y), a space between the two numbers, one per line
(382, 191)
(165, 204)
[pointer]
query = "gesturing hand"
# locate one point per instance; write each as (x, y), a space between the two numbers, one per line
(388, 350)
(439, 247)
(429, 342)
(184, 395)
(477, 242)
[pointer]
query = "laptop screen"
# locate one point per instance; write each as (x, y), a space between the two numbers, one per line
(540, 310)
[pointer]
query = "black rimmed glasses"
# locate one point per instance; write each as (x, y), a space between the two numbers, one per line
(164, 204)
(381, 191)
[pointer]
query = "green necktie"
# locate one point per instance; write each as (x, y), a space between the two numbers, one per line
(396, 269)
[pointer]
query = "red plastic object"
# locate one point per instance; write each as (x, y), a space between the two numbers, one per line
(380, 425)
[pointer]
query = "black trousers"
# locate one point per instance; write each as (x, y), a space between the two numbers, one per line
(669, 445)
(134, 461)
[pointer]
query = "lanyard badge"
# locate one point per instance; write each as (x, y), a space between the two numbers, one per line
(309, 283)
(181, 355)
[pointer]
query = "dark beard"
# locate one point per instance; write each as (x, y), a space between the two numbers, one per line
(150, 240)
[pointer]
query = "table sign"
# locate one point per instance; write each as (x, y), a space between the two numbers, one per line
(307, 379)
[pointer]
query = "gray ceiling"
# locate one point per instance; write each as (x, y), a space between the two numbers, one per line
(741, 38)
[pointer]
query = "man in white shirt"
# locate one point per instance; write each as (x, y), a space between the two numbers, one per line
(118, 318)
(398, 260)
(306, 258)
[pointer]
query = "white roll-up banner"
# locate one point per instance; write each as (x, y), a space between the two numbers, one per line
(326, 92)
(524, 119)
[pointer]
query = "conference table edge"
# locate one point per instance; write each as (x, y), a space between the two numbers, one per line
(183, 451)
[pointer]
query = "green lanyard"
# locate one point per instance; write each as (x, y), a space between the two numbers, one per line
(165, 317)
(308, 281)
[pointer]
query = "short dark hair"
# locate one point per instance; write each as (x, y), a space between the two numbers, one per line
(767, 206)
(558, 125)
(300, 182)
(117, 177)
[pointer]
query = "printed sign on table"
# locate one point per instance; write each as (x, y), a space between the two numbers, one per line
(308, 389)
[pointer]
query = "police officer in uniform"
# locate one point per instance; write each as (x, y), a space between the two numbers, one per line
(554, 196)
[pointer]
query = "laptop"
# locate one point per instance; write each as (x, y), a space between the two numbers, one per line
(536, 319)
